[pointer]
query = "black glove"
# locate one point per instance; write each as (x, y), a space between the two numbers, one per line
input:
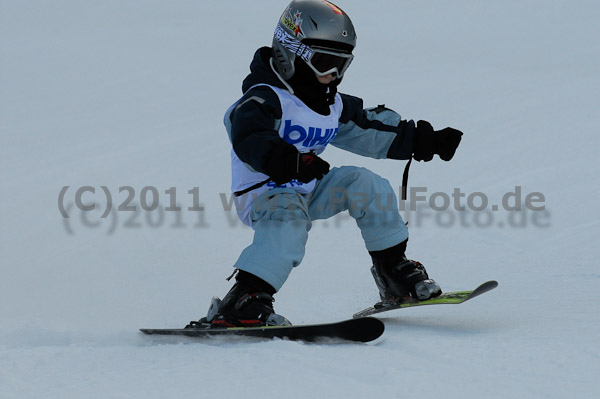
(310, 166)
(429, 142)
(286, 163)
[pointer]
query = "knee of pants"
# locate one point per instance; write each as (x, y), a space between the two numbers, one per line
(365, 189)
(371, 200)
(281, 226)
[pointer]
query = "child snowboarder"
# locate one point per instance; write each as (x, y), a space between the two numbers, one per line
(289, 112)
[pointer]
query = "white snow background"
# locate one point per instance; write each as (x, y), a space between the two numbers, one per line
(132, 93)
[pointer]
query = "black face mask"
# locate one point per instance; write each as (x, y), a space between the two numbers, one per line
(307, 88)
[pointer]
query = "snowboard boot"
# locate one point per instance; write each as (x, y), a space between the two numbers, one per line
(249, 303)
(399, 279)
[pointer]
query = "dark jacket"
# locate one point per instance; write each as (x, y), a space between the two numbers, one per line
(253, 123)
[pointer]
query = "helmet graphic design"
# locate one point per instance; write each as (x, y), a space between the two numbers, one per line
(318, 32)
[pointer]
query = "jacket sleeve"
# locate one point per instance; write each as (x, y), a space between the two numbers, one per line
(253, 125)
(375, 132)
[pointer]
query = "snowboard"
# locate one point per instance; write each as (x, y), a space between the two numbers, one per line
(359, 330)
(452, 298)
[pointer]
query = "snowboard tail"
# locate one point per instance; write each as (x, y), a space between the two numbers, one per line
(450, 298)
(358, 330)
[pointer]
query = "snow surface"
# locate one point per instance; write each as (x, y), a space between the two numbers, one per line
(132, 93)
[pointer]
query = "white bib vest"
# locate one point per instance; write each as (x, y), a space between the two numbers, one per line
(300, 126)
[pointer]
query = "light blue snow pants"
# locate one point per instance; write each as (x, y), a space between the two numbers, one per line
(281, 219)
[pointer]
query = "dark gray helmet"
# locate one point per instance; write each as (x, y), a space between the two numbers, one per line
(318, 32)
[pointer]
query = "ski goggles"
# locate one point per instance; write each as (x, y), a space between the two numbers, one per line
(321, 60)
(324, 61)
